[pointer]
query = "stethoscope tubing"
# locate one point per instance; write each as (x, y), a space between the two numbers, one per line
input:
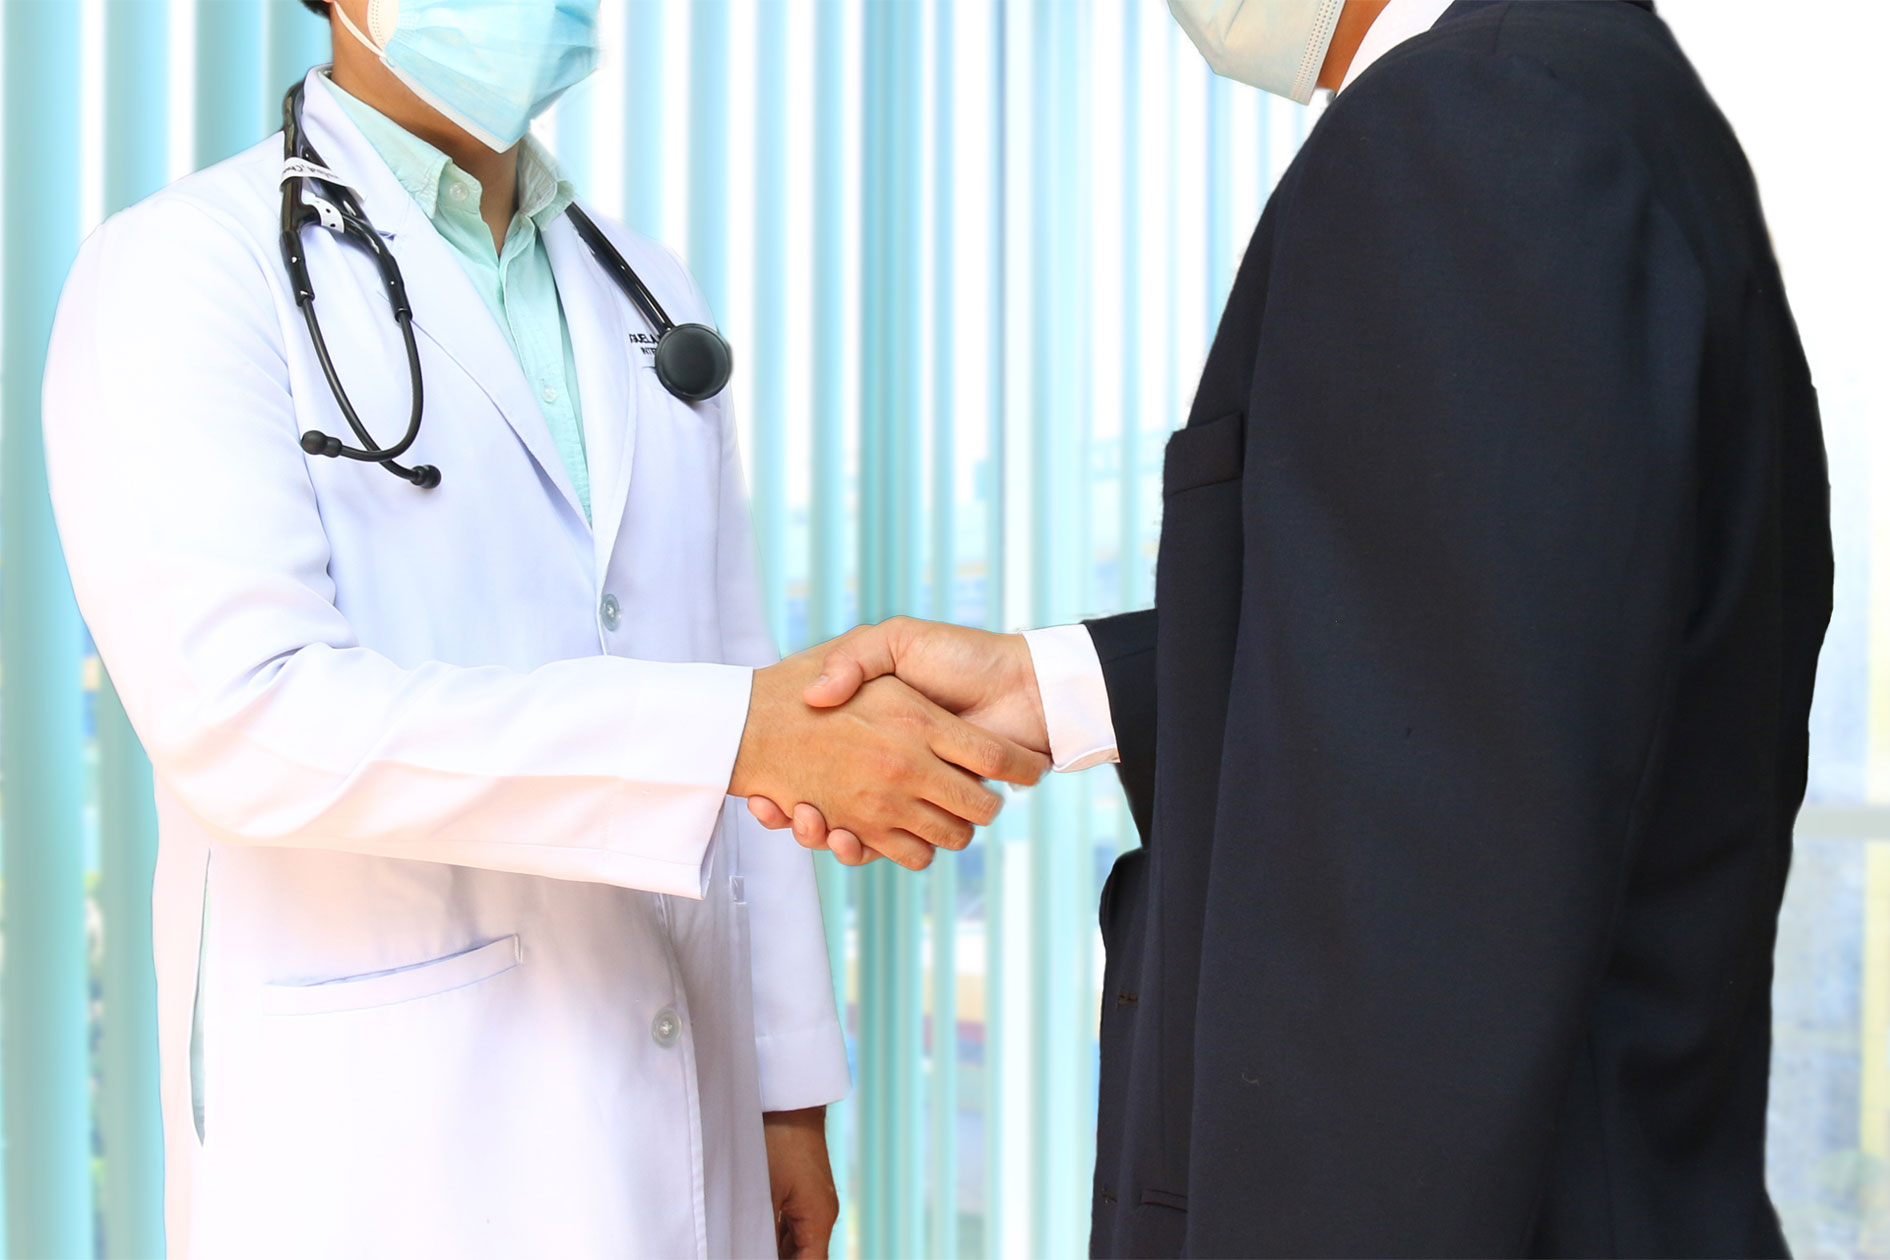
(693, 361)
(355, 225)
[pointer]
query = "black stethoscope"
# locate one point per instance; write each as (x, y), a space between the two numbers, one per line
(693, 361)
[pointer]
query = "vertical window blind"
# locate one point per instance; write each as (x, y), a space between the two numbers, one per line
(969, 253)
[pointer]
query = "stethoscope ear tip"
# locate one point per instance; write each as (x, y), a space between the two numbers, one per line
(426, 476)
(316, 442)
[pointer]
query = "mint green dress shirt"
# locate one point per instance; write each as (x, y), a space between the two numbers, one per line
(516, 281)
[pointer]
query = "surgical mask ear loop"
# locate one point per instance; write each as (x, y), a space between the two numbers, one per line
(377, 49)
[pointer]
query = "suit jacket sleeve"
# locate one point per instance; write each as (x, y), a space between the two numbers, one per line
(1469, 562)
(1125, 646)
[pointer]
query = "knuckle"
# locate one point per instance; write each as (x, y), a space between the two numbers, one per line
(987, 754)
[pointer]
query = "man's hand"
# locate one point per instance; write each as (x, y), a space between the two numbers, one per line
(899, 772)
(801, 1179)
(986, 679)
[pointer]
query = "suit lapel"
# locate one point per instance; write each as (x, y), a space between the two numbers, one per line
(447, 309)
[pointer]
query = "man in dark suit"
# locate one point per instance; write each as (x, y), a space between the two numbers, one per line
(1468, 730)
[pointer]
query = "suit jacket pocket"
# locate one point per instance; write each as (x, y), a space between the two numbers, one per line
(402, 984)
(1203, 454)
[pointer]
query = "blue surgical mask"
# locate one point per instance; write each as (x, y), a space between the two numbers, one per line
(491, 66)
(1277, 46)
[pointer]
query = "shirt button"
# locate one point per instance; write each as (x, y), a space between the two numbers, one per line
(549, 394)
(666, 1028)
(611, 612)
(456, 191)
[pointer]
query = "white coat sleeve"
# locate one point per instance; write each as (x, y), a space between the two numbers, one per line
(200, 563)
(798, 1042)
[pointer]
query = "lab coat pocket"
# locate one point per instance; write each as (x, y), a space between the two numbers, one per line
(368, 1091)
(402, 984)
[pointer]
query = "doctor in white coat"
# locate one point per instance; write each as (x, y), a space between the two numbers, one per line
(463, 947)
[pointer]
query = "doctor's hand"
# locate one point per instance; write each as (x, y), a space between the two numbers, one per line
(896, 770)
(987, 679)
(800, 1177)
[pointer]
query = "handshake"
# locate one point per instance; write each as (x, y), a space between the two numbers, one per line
(877, 743)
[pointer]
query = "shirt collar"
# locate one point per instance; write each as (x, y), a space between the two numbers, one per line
(425, 171)
(1396, 22)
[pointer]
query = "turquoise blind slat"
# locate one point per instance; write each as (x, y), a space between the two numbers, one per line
(708, 150)
(137, 100)
(297, 40)
(890, 567)
(1220, 265)
(1000, 1199)
(44, 999)
(826, 344)
(1132, 589)
(941, 1159)
(827, 603)
(136, 123)
(131, 1133)
(769, 355)
(1062, 560)
(233, 109)
(643, 116)
(575, 114)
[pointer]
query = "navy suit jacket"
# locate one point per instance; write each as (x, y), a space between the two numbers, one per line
(1468, 729)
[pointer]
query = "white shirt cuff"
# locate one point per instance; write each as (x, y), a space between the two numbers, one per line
(1075, 697)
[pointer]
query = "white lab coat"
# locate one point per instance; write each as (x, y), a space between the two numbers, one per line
(476, 909)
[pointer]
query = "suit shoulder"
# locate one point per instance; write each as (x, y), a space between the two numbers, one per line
(1615, 66)
(1618, 57)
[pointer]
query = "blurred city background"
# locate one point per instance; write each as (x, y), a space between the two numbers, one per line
(969, 253)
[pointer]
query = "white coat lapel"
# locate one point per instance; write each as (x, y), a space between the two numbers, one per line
(447, 309)
(594, 311)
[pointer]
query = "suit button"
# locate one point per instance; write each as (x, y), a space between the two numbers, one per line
(666, 1028)
(611, 612)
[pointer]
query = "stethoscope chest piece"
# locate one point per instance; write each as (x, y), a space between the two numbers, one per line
(693, 362)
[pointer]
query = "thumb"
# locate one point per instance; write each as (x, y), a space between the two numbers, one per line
(852, 660)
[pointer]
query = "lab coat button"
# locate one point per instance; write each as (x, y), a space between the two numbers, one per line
(549, 394)
(666, 1027)
(611, 612)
